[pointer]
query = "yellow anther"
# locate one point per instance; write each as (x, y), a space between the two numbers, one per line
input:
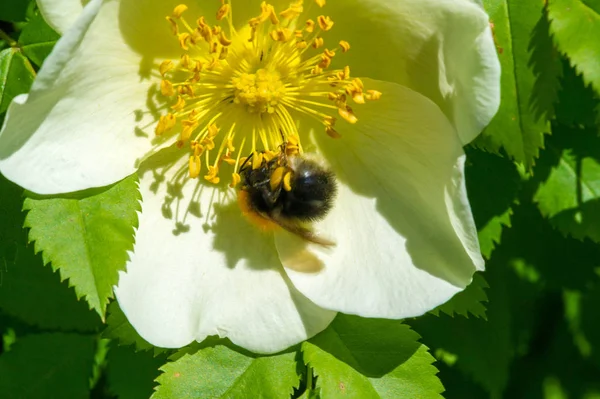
(230, 146)
(320, 3)
(345, 46)
(166, 88)
(223, 11)
(269, 155)
(346, 71)
(183, 40)
(185, 61)
(196, 148)
(287, 181)
(309, 26)
(277, 177)
(174, 27)
(358, 97)
(273, 16)
(180, 9)
(318, 42)
(281, 35)
(224, 52)
(329, 53)
(213, 130)
(373, 95)
(331, 132)
(325, 23)
(358, 83)
(165, 67)
(179, 104)
(165, 123)
(228, 161)
(224, 40)
(325, 62)
(211, 176)
(293, 11)
(317, 70)
(301, 45)
(348, 115)
(194, 166)
(216, 30)
(257, 159)
(235, 180)
(188, 129)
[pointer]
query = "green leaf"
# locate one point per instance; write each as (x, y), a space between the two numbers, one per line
(118, 328)
(371, 358)
(468, 301)
(570, 194)
(86, 236)
(37, 39)
(126, 384)
(16, 76)
(13, 10)
(493, 184)
(47, 366)
(220, 372)
(575, 25)
(577, 103)
(480, 349)
(529, 80)
(28, 290)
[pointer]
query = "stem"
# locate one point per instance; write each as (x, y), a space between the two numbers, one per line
(4, 36)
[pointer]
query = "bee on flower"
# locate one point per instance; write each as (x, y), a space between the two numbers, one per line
(311, 150)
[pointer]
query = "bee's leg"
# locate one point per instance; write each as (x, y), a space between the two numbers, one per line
(269, 196)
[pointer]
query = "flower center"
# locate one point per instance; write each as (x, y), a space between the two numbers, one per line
(237, 93)
(261, 91)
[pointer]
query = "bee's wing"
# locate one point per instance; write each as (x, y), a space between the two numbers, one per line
(301, 231)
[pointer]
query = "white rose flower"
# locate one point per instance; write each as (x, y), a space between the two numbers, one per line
(385, 92)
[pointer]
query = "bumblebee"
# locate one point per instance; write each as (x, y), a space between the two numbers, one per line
(287, 191)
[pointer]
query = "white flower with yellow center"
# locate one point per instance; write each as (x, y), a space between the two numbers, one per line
(385, 93)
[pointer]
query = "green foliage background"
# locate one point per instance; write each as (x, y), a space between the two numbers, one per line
(529, 327)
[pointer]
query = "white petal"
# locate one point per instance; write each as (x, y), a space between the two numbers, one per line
(86, 120)
(441, 48)
(406, 240)
(61, 14)
(221, 277)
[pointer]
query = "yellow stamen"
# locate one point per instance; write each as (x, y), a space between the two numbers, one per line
(345, 46)
(194, 166)
(223, 11)
(165, 67)
(180, 9)
(277, 177)
(235, 179)
(325, 23)
(247, 88)
(286, 181)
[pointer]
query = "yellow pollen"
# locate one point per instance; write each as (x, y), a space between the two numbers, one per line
(325, 23)
(223, 11)
(277, 177)
(286, 181)
(195, 166)
(166, 88)
(165, 67)
(243, 90)
(180, 9)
